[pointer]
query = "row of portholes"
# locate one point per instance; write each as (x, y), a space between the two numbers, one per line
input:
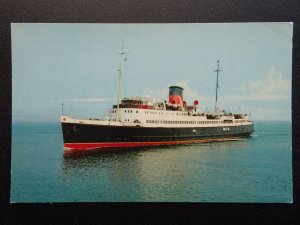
(166, 113)
(152, 112)
(182, 122)
(130, 111)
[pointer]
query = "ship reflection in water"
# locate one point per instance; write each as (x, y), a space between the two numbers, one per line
(174, 173)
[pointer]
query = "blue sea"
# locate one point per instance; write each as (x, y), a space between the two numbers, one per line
(255, 169)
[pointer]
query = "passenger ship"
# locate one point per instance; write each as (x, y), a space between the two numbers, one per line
(145, 121)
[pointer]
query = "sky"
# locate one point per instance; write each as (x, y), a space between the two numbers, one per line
(77, 64)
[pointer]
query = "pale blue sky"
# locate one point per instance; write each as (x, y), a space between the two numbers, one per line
(78, 64)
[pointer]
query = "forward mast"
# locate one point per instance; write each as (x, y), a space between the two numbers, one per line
(122, 53)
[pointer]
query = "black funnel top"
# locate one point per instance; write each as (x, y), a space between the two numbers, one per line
(175, 90)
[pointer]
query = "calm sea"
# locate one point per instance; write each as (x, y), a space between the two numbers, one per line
(256, 169)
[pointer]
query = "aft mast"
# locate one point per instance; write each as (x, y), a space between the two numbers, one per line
(119, 86)
(217, 86)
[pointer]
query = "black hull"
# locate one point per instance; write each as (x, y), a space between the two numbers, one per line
(86, 136)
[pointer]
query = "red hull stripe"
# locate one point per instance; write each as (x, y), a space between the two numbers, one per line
(85, 146)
